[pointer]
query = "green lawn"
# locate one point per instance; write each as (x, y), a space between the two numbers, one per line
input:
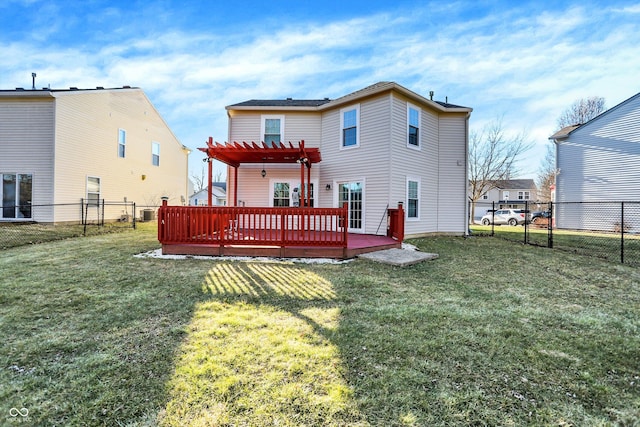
(491, 333)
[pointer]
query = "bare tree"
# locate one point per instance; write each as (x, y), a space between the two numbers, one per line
(199, 180)
(547, 174)
(581, 111)
(493, 157)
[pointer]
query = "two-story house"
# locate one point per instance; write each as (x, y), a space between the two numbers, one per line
(599, 161)
(59, 147)
(379, 146)
(507, 194)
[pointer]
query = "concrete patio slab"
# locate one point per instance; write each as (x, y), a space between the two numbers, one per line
(398, 257)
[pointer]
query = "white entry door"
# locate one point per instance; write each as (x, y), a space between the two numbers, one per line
(352, 194)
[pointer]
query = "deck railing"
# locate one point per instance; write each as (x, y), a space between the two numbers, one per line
(260, 226)
(395, 226)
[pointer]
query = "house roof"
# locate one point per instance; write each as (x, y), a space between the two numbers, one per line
(233, 154)
(326, 103)
(565, 132)
(513, 184)
(48, 92)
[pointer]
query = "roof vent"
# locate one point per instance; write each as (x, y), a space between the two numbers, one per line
(289, 99)
(73, 88)
(126, 87)
(19, 88)
(99, 87)
(431, 95)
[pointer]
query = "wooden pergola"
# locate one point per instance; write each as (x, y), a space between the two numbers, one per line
(234, 154)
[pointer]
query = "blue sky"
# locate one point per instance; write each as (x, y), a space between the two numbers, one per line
(523, 63)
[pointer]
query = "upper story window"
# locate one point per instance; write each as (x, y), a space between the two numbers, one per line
(523, 195)
(413, 126)
(155, 154)
(505, 195)
(122, 142)
(272, 130)
(349, 124)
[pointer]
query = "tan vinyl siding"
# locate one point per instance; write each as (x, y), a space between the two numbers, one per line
(452, 178)
(27, 146)
(87, 145)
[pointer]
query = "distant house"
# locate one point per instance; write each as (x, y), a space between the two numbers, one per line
(219, 193)
(59, 147)
(599, 161)
(510, 193)
(379, 146)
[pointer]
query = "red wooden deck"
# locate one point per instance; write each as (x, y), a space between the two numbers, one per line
(274, 232)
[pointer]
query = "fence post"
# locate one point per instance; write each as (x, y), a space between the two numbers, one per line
(621, 232)
(133, 214)
(526, 221)
(493, 218)
(550, 226)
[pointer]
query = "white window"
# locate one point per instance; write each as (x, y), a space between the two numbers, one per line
(505, 195)
(413, 126)
(93, 190)
(155, 154)
(288, 193)
(272, 130)
(15, 195)
(350, 127)
(413, 198)
(122, 142)
(523, 195)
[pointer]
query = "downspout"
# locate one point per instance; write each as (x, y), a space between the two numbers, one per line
(466, 174)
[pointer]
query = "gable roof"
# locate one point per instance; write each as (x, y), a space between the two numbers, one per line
(513, 184)
(564, 133)
(326, 103)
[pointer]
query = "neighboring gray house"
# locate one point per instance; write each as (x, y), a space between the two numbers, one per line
(218, 191)
(510, 193)
(598, 161)
(380, 145)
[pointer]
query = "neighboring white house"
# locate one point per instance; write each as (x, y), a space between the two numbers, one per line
(219, 194)
(380, 145)
(598, 161)
(508, 193)
(58, 147)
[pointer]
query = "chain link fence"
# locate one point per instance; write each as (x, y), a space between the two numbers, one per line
(607, 230)
(43, 223)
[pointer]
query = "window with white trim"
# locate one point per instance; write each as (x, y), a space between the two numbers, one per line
(413, 198)
(93, 190)
(272, 130)
(350, 127)
(505, 195)
(413, 126)
(15, 195)
(122, 142)
(281, 194)
(524, 195)
(155, 154)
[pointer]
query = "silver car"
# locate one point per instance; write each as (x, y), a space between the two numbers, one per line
(505, 216)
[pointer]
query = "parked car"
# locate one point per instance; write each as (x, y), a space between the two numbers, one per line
(538, 215)
(505, 216)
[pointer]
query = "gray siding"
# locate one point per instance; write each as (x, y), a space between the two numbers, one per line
(452, 186)
(601, 160)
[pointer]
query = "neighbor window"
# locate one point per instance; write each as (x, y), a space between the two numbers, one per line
(505, 195)
(281, 194)
(413, 198)
(272, 127)
(93, 190)
(122, 142)
(349, 120)
(413, 125)
(155, 154)
(16, 195)
(523, 195)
